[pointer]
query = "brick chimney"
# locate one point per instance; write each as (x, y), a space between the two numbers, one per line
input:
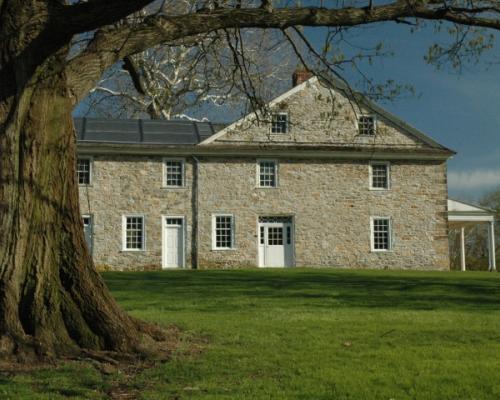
(301, 75)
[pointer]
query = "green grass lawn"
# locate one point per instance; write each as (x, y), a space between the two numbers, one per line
(303, 334)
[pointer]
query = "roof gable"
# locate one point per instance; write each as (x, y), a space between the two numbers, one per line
(326, 113)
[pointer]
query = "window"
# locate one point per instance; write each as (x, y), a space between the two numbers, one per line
(223, 232)
(133, 232)
(379, 176)
(279, 123)
(366, 125)
(275, 236)
(174, 173)
(381, 234)
(267, 173)
(83, 173)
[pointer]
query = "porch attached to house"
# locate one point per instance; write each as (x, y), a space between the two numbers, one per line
(462, 215)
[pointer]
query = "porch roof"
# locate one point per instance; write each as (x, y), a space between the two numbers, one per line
(462, 214)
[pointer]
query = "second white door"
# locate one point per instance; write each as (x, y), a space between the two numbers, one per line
(173, 243)
(275, 242)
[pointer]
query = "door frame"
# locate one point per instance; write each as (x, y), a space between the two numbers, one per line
(91, 217)
(183, 235)
(292, 216)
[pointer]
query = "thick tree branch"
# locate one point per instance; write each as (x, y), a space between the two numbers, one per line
(92, 14)
(112, 44)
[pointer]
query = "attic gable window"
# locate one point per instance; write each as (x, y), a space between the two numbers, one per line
(279, 123)
(366, 125)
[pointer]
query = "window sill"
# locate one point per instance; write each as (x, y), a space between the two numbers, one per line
(132, 250)
(380, 189)
(82, 185)
(381, 251)
(174, 187)
(224, 249)
(267, 187)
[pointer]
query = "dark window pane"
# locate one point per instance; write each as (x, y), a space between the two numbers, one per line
(174, 173)
(279, 123)
(366, 125)
(380, 176)
(83, 171)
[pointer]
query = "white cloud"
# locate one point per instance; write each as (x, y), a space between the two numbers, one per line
(477, 179)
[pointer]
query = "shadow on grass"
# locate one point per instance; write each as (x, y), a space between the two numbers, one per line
(216, 290)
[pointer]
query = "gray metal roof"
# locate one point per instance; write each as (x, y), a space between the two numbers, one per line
(143, 131)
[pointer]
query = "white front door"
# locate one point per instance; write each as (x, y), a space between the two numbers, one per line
(173, 243)
(275, 242)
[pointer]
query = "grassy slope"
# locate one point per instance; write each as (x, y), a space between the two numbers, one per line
(306, 334)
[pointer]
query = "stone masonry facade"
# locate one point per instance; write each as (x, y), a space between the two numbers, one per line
(329, 199)
(330, 202)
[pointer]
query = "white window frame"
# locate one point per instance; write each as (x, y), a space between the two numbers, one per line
(184, 238)
(91, 170)
(372, 241)
(183, 172)
(276, 171)
(287, 124)
(124, 232)
(214, 236)
(374, 125)
(370, 175)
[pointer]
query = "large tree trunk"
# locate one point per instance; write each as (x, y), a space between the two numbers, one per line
(52, 300)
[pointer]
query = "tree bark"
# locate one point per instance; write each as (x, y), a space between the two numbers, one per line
(52, 300)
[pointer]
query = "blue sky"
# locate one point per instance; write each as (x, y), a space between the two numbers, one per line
(461, 111)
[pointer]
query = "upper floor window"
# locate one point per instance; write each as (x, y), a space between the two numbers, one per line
(366, 125)
(83, 170)
(380, 175)
(174, 173)
(267, 173)
(133, 232)
(279, 123)
(381, 228)
(222, 232)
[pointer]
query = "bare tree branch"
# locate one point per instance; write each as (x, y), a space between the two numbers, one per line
(112, 44)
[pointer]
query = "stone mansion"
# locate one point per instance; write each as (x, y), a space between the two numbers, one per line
(329, 179)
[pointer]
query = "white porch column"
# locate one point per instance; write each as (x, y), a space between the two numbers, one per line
(462, 247)
(491, 246)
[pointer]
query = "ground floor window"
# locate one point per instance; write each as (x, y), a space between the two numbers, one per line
(223, 232)
(133, 232)
(381, 228)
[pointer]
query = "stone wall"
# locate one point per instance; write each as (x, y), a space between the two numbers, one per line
(330, 201)
(125, 185)
(331, 204)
